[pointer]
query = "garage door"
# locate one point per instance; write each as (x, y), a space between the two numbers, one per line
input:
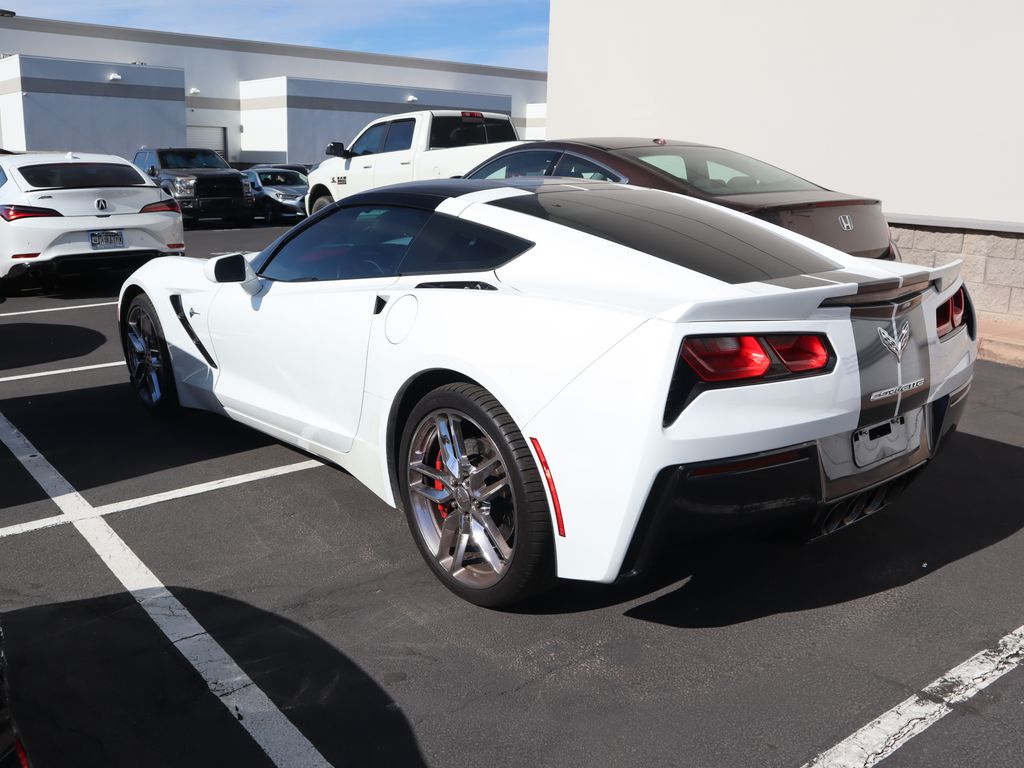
(207, 137)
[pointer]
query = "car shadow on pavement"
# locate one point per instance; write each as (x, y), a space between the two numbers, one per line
(27, 344)
(95, 683)
(100, 435)
(99, 285)
(969, 499)
(966, 501)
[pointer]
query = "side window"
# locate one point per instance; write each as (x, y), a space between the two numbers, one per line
(448, 244)
(3, 177)
(350, 243)
(577, 167)
(140, 161)
(536, 163)
(369, 142)
(399, 135)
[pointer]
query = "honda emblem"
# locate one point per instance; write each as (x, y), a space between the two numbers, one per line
(846, 222)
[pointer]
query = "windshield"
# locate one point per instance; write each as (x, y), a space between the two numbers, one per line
(282, 179)
(81, 175)
(191, 158)
(718, 171)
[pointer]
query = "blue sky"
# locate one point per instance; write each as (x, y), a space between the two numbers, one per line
(512, 33)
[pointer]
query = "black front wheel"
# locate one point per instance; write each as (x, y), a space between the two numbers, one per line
(474, 498)
(149, 363)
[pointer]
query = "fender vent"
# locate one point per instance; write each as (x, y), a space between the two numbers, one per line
(474, 285)
(180, 312)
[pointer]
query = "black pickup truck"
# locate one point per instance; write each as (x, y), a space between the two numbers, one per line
(204, 185)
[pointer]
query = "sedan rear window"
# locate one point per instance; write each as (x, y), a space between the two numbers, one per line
(694, 235)
(81, 175)
(718, 171)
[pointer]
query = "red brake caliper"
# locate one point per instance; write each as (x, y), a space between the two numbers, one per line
(440, 486)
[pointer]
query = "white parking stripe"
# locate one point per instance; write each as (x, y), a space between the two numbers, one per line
(884, 735)
(57, 309)
(62, 370)
(156, 498)
(249, 705)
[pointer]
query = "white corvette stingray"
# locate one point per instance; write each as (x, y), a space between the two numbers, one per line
(545, 374)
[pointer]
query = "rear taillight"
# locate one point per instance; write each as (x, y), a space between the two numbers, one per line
(726, 358)
(800, 353)
(164, 206)
(15, 212)
(734, 358)
(951, 314)
(708, 362)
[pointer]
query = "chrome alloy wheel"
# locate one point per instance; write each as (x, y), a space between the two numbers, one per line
(145, 355)
(462, 500)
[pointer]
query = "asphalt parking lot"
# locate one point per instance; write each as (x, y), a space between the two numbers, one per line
(734, 652)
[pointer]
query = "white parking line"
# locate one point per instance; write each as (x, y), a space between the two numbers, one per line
(884, 735)
(62, 370)
(156, 498)
(279, 738)
(57, 309)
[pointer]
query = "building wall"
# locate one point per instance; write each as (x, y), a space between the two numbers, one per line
(916, 102)
(216, 67)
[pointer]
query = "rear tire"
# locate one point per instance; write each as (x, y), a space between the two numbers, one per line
(149, 362)
(474, 499)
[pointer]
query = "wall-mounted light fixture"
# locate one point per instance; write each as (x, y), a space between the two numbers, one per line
(411, 98)
(113, 77)
(193, 91)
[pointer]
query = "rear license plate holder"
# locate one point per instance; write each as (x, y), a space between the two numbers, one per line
(102, 239)
(887, 439)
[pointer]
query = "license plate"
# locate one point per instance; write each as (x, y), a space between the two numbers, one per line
(890, 438)
(107, 238)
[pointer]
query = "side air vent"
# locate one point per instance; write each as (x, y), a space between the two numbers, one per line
(473, 285)
(180, 312)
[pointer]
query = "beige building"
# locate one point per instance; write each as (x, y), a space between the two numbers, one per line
(916, 102)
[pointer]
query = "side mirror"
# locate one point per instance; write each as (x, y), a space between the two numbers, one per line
(233, 268)
(337, 149)
(152, 170)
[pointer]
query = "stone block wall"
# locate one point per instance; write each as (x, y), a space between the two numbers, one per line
(993, 263)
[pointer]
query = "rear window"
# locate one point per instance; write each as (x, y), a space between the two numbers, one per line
(81, 175)
(718, 171)
(455, 131)
(690, 234)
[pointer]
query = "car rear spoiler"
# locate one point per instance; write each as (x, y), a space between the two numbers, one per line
(799, 297)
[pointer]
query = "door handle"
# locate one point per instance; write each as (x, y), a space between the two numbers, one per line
(367, 166)
(406, 162)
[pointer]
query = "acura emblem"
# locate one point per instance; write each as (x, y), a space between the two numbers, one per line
(846, 222)
(101, 204)
(897, 345)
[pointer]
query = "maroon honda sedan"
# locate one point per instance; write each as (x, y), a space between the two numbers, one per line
(850, 223)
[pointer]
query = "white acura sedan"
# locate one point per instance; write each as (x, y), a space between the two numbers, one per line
(544, 374)
(77, 212)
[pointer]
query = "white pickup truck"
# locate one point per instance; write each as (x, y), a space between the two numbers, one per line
(407, 147)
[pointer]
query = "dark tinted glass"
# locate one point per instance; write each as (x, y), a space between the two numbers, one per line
(81, 175)
(454, 131)
(718, 171)
(399, 135)
(448, 244)
(697, 236)
(369, 142)
(191, 158)
(576, 167)
(281, 178)
(530, 163)
(349, 243)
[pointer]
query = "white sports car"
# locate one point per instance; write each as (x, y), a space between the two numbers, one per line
(542, 374)
(78, 212)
